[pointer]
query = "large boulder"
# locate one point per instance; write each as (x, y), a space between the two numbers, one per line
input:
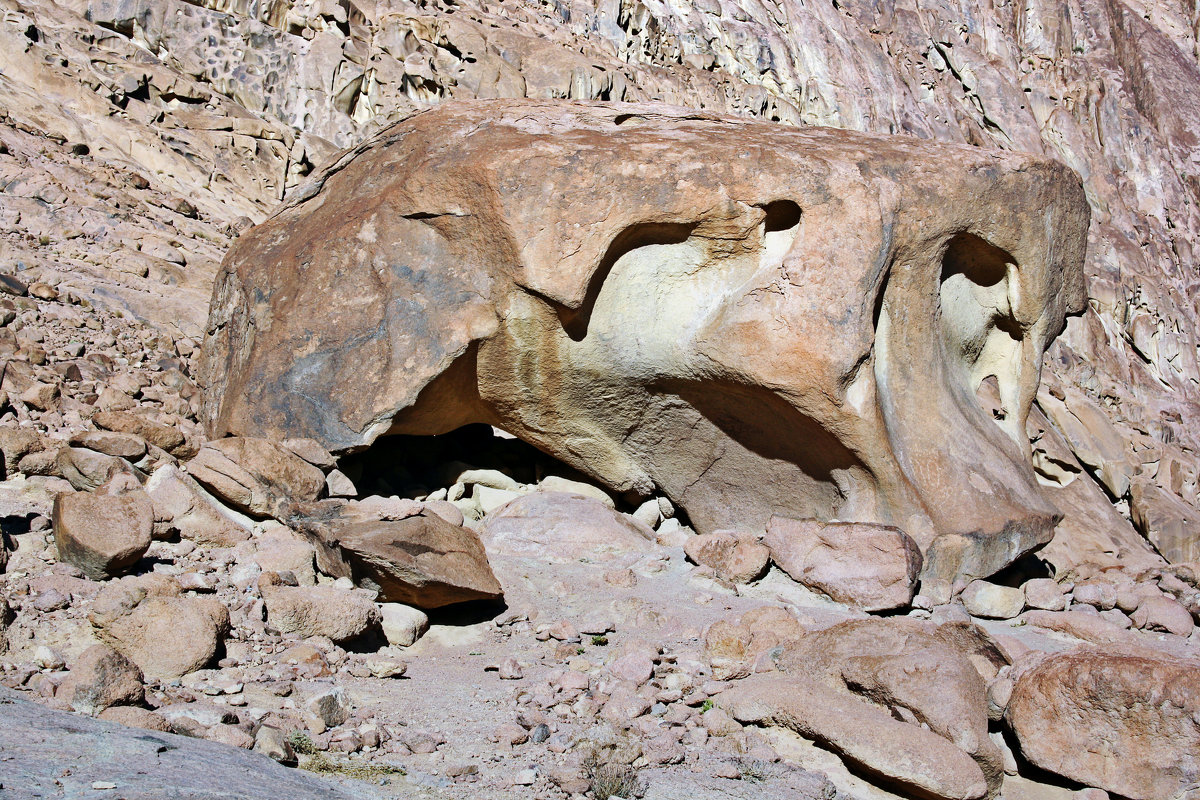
(873, 567)
(905, 701)
(1129, 724)
(101, 677)
(102, 534)
(421, 561)
(602, 280)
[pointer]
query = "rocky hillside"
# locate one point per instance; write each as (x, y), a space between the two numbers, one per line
(342, 614)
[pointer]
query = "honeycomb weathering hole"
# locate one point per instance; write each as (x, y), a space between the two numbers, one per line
(981, 336)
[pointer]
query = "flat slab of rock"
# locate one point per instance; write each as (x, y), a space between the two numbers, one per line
(1127, 724)
(420, 561)
(103, 535)
(144, 765)
(873, 567)
(557, 526)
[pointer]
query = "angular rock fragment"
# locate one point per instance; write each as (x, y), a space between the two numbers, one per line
(873, 567)
(421, 561)
(99, 678)
(103, 535)
(897, 697)
(182, 506)
(255, 476)
(737, 557)
(1124, 723)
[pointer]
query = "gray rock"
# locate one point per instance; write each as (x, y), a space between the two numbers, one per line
(143, 765)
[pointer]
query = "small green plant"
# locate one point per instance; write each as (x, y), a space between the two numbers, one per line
(609, 778)
(322, 764)
(599, 641)
(708, 705)
(580, 651)
(301, 744)
(752, 770)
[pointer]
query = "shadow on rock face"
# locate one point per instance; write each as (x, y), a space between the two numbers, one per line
(754, 320)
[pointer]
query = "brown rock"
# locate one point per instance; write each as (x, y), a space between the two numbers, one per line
(162, 436)
(88, 470)
(561, 527)
(103, 535)
(1163, 614)
(182, 506)
(319, 611)
(862, 400)
(99, 678)
(892, 695)
(874, 567)
(166, 636)
(1123, 723)
(736, 557)
(255, 476)
(420, 561)
(128, 446)
(42, 396)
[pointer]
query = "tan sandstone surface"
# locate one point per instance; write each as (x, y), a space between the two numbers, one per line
(291, 603)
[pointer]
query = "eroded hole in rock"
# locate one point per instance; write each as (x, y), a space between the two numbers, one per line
(980, 334)
(430, 466)
(780, 227)
(575, 321)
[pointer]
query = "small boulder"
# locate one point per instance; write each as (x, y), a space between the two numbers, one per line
(164, 437)
(166, 635)
(992, 601)
(873, 567)
(736, 557)
(422, 561)
(128, 446)
(103, 535)
(99, 678)
(403, 625)
(1045, 594)
(318, 611)
(1161, 613)
(1118, 722)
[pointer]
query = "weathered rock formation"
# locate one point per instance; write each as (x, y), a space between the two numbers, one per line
(753, 319)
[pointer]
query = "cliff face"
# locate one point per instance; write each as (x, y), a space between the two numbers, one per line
(161, 127)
